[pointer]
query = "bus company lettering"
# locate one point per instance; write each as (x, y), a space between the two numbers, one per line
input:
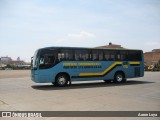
(147, 114)
(73, 65)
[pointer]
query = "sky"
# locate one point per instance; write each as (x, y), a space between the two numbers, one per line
(26, 25)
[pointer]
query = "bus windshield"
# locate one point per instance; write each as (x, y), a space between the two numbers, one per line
(34, 60)
(47, 59)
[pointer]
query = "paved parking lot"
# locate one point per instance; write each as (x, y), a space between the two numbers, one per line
(19, 93)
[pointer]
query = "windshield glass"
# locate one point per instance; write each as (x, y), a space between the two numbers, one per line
(34, 60)
(47, 59)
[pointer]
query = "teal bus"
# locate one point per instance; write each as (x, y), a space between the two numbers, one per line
(62, 65)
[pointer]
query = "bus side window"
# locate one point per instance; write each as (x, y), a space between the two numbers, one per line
(112, 56)
(123, 55)
(60, 57)
(77, 55)
(134, 55)
(119, 57)
(101, 55)
(106, 55)
(86, 55)
(95, 55)
(65, 54)
(81, 55)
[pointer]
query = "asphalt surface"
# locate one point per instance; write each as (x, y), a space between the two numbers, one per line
(19, 93)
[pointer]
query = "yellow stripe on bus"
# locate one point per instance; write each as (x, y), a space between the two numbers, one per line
(101, 73)
(134, 63)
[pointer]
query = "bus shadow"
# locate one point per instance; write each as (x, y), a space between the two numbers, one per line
(89, 85)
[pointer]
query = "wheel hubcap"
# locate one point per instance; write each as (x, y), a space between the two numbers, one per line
(61, 80)
(119, 78)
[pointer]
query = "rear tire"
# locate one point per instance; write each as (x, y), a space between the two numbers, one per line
(119, 77)
(61, 80)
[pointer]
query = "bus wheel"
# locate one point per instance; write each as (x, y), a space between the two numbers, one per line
(119, 77)
(61, 80)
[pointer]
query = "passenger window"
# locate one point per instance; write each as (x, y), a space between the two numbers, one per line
(112, 55)
(134, 56)
(123, 55)
(95, 56)
(66, 54)
(106, 55)
(81, 55)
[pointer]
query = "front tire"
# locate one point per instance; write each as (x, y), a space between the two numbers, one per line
(119, 77)
(61, 80)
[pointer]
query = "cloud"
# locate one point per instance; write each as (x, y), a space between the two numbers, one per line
(81, 35)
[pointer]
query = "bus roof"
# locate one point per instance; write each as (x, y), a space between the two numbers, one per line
(58, 47)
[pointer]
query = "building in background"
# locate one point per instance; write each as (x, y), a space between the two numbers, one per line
(110, 45)
(152, 57)
(5, 60)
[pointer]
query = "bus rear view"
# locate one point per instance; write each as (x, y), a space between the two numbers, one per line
(61, 65)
